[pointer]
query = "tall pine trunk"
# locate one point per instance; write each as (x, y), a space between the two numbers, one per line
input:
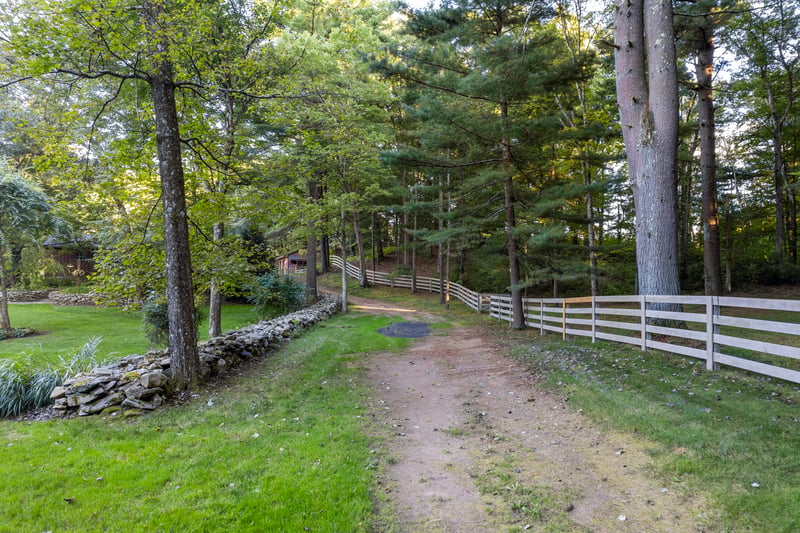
(509, 205)
(708, 163)
(647, 91)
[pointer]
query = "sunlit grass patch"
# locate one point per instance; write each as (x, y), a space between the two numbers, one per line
(284, 448)
(64, 329)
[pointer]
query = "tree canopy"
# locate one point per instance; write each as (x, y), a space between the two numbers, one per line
(194, 142)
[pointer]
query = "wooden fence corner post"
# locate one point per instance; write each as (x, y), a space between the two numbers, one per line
(564, 319)
(594, 321)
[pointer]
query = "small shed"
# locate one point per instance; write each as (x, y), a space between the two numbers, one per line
(77, 255)
(292, 263)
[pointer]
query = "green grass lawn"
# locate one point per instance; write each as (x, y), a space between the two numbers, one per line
(285, 448)
(727, 434)
(62, 330)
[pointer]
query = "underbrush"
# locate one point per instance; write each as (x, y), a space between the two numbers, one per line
(732, 435)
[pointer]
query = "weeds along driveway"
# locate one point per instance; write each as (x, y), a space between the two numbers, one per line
(475, 445)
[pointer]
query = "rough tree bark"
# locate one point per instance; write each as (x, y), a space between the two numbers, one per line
(215, 293)
(180, 294)
(708, 162)
(517, 311)
(647, 92)
(5, 320)
(311, 249)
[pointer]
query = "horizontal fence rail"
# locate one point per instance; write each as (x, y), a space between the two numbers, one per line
(758, 335)
(472, 299)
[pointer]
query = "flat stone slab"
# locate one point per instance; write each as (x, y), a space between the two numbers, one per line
(406, 330)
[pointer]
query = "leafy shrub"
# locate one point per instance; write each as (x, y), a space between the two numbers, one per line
(16, 333)
(155, 321)
(274, 295)
(38, 267)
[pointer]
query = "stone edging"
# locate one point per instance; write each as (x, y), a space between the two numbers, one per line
(139, 383)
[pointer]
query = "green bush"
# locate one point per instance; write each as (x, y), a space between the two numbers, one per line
(16, 333)
(155, 321)
(274, 295)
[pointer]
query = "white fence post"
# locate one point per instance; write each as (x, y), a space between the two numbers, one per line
(643, 311)
(594, 321)
(712, 309)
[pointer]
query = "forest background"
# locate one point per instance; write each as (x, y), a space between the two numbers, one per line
(485, 135)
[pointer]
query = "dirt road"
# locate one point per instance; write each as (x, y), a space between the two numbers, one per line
(477, 446)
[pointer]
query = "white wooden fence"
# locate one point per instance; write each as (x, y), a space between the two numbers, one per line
(478, 302)
(718, 330)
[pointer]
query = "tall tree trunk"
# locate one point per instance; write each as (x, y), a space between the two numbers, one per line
(778, 165)
(215, 294)
(5, 320)
(708, 163)
(414, 258)
(180, 294)
(591, 232)
(325, 254)
(518, 316)
(440, 248)
(362, 256)
(728, 245)
(311, 268)
(311, 248)
(344, 261)
(647, 90)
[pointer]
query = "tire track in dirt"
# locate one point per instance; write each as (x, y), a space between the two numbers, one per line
(464, 417)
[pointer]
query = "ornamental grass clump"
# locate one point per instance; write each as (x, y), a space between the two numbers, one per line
(24, 387)
(12, 388)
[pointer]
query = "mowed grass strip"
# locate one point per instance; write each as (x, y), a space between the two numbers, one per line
(62, 330)
(728, 434)
(284, 448)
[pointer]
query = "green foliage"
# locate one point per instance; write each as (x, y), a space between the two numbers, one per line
(127, 274)
(37, 266)
(400, 270)
(155, 321)
(130, 272)
(39, 387)
(274, 295)
(23, 386)
(16, 333)
(12, 388)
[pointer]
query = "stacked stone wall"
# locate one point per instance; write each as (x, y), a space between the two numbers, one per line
(140, 383)
(28, 296)
(63, 298)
